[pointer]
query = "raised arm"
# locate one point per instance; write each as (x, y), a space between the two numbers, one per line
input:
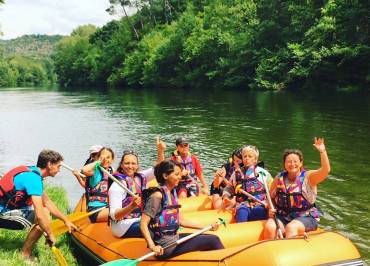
(161, 147)
(317, 176)
(80, 179)
(88, 169)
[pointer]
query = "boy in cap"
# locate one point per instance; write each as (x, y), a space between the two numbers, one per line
(192, 170)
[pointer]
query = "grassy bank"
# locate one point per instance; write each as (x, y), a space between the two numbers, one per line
(12, 241)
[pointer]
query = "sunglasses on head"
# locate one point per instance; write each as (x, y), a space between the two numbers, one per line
(129, 152)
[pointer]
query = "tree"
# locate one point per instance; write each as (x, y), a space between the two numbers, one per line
(123, 3)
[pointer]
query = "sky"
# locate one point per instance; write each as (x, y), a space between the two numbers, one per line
(19, 17)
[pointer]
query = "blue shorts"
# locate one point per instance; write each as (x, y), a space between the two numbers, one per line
(17, 219)
(310, 223)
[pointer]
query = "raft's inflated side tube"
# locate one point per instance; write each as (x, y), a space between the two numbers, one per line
(200, 203)
(243, 246)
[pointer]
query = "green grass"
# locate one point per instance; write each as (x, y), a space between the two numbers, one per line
(12, 241)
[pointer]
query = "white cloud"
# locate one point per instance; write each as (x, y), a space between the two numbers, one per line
(19, 17)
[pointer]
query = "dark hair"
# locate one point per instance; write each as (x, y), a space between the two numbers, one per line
(46, 156)
(237, 153)
(292, 151)
(125, 153)
(165, 167)
(107, 149)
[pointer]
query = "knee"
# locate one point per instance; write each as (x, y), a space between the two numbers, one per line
(38, 228)
(216, 201)
(216, 242)
(293, 228)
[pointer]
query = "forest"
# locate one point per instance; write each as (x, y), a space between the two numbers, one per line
(263, 44)
(26, 61)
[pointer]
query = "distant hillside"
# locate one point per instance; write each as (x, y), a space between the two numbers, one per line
(36, 46)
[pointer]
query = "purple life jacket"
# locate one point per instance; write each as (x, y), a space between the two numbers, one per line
(251, 184)
(167, 221)
(136, 188)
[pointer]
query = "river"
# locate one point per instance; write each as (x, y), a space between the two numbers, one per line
(216, 122)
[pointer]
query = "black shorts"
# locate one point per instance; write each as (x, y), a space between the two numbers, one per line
(310, 223)
(94, 216)
(17, 219)
(191, 189)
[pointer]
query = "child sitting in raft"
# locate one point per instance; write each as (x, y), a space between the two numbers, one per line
(249, 179)
(97, 184)
(222, 177)
(294, 192)
(161, 217)
(93, 156)
(124, 209)
(192, 170)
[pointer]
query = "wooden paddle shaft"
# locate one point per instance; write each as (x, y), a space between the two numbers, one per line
(181, 240)
(71, 169)
(280, 233)
(251, 196)
(117, 182)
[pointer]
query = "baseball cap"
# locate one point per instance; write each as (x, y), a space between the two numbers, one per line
(95, 148)
(181, 140)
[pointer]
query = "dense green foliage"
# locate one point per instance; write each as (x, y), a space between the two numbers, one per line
(25, 61)
(269, 44)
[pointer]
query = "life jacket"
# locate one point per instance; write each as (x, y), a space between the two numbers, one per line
(100, 191)
(290, 201)
(135, 188)
(11, 198)
(187, 164)
(251, 183)
(167, 221)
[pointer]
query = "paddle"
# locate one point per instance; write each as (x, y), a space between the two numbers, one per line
(71, 169)
(56, 251)
(58, 227)
(59, 256)
(128, 262)
(239, 189)
(118, 182)
(280, 233)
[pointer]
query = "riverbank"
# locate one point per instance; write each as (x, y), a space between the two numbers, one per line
(12, 241)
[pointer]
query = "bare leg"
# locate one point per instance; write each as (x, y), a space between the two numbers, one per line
(32, 237)
(269, 231)
(216, 202)
(103, 215)
(294, 228)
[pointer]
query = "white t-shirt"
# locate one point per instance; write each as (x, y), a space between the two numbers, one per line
(116, 196)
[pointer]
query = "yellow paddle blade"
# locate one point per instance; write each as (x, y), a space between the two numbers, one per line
(58, 227)
(59, 256)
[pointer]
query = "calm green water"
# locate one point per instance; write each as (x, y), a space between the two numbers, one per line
(215, 122)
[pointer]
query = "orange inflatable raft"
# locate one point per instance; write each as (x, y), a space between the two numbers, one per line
(243, 244)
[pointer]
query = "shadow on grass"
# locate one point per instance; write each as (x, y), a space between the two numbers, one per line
(11, 239)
